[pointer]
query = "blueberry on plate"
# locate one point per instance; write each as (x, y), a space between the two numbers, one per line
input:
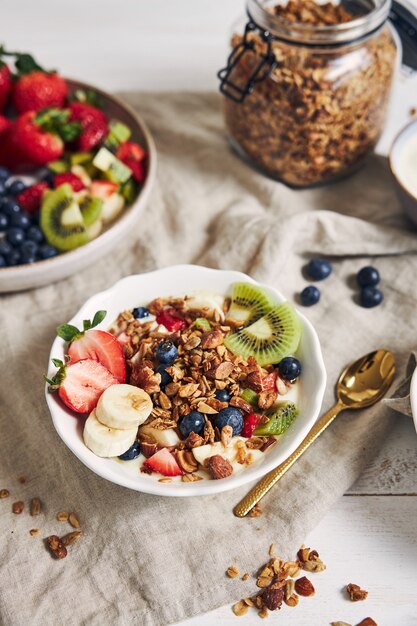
(15, 236)
(230, 416)
(4, 222)
(166, 352)
(20, 220)
(35, 234)
(47, 251)
(4, 174)
(319, 269)
(9, 207)
(289, 368)
(310, 295)
(368, 276)
(16, 187)
(223, 395)
(370, 297)
(3, 262)
(132, 453)
(165, 377)
(13, 258)
(192, 423)
(140, 312)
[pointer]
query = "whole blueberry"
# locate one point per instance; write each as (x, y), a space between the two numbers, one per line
(26, 257)
(20, 220)
(230, 416)
(13, 258)
(10, 207)
(5, 247)
(4, 222)
(289, 368)
(16, 187)
(319, 269)
(368, 276)
(132, 453)
(15, 236)
(29, 248)
(46, 251)
(4, 174)
(140, 312)
(3, 262)
(166, 352)
(3, 189)
(165, 377)
(192, 423)
(35, 234)
(223, 395)
(310, 295)
(370, 297)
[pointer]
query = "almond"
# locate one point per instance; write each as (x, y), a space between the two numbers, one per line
(212, 339)
(57, 547)
(219, 467)
(35, 507)
(304, 587)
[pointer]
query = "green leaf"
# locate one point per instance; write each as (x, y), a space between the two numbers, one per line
(57, 362)
(98, 318)
(56, 381)
(88, 97)
(25, 64)
(67, 332)
(70, 131)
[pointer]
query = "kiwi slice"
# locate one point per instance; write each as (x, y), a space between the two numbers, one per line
(280, 419)
(249, 303)
(250, 396)
(90, 209)
(61, 219)
(269, 339)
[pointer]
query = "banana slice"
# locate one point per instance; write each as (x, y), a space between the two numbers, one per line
(104, 441)
(123, 407)
(165, 438)
(204, 452)
(112, 207)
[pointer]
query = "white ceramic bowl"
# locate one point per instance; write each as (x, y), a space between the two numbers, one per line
(413, 397)
(179, 280)
(402, 145)
(32, 275)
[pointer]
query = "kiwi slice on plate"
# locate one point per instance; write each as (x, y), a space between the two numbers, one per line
(269, 339)
(280, 419)
(90, 209)
(249, 303)
(61, 219)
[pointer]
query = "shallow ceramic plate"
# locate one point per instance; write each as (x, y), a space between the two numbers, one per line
(180, 280)
(413, 397)
(50, 270)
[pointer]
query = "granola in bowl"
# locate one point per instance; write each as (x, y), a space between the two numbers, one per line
(189, 395)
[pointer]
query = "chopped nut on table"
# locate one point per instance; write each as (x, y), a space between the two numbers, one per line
(232, 571)
(356, 594)
(56, 547)
(17, 507)
(368, 621)
(4, 493)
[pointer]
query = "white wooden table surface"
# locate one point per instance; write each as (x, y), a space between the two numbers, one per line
(370, 537)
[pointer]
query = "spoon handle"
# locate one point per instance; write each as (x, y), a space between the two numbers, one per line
(264, 485)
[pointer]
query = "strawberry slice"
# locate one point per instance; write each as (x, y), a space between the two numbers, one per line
(164, 463)
(68, 177)
(30, 199)
(171, 319)
(269, 382)
(81, 384)
(102, 347)
(103, 189)
(133, 155)
(250, 422)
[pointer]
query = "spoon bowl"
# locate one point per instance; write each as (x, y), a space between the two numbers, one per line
(366, 380)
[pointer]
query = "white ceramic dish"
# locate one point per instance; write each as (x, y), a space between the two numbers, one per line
(413, 397)
(403, 164)
(48, 271)
(185, 279)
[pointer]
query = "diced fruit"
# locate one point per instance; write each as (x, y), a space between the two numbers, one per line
(270, 339)
(91, 209)
(201, 453)
(94, 230)
(70, 178)
(370, 297)
(269, 382)
(81, 172)
(131, 150)
(129, 190)
(289, 368)
(112, 167)
(103, 189)
(163, 462)
(118, 134)
(5, 85)
(279, 419)
(223, 395)
(132, 453)
(93, 122)
(192, 423)
(104, 441)
(61, 219)
(250, 396)
(230, 416)
(81, 158)
(368, 276)
(37, 145)
(123, 407)
(166, 352)
(250, 422)
(171, 319)
(58, 167)
(103, 347)
(30, 199)
(318, 269)
(39, 90)
(202, 324)
(249, 303)
(166, 438)
(310, 295)
(112, 207)
(81, 384)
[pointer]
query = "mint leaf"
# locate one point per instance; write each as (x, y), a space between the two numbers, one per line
(25, 64)
(67, 332)
(57, 362)
(70, 131)
(98, 318)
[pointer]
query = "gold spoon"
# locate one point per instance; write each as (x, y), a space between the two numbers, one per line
(360, 385)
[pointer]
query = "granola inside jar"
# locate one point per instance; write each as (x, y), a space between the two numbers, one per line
(307, 87)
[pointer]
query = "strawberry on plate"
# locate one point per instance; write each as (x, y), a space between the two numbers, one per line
(37, 145)
(95, 344)
(163, 462)
(5, 85)
(171, 319)
(30, 199)
(81, 384)
(133, 155)
(68, 177)
(93, 123)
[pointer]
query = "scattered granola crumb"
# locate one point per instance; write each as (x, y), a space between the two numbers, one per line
(240, 608)
(22, 480)
(4, 493)
(56, 546)
(263, 613)
(165, 480)
(35, 507)
(34, 532)
(73, 520)
(17, 507)
(368, 621)
(62, 516)
(232, 571)
(272, 549)
(340, 624)
(356, 594)
(255, 512)
(71, 538)
(413, 111)
(245, 576)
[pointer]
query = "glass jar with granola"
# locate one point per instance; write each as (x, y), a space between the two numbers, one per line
(308, 86)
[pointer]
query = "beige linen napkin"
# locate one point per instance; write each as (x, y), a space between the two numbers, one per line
(152, 561)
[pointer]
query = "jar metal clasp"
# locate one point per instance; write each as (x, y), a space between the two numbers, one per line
(262, 69)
